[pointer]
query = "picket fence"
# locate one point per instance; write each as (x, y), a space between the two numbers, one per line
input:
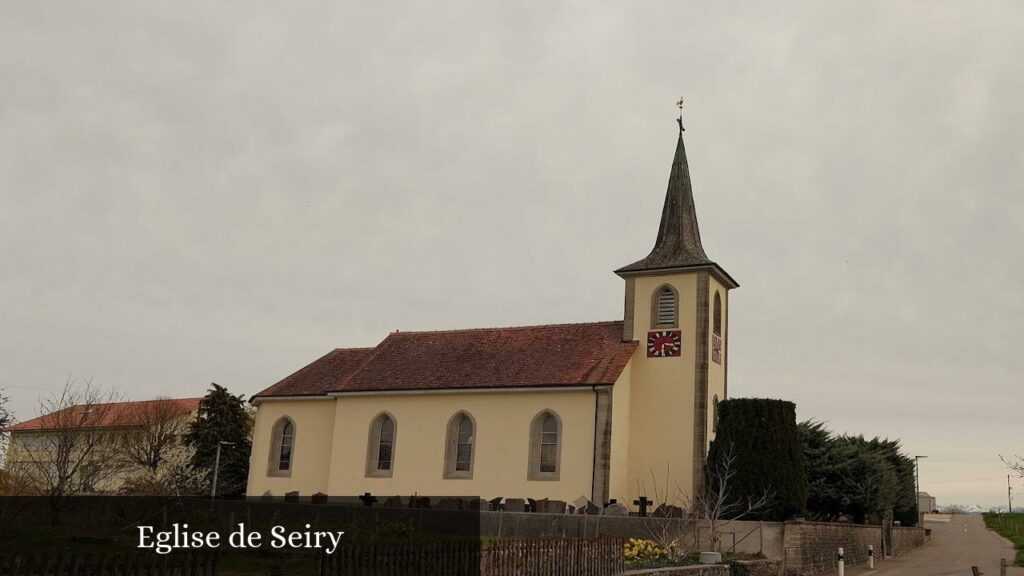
(562, 557)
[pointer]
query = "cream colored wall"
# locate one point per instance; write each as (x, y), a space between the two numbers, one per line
(661, 399)
(618, 477)
(501, 452)
(332, 436)
(717, 372)
(314, 431)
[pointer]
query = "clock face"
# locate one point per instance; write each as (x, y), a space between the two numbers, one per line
(663, 343)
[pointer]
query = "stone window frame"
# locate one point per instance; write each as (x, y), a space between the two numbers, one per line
(451, 447)
(373, 446)
(716, 315)
(714, 414)
(655, 297)
(276, 442)
(534, 471)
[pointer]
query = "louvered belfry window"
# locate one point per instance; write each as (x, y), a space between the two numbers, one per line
(665, 307)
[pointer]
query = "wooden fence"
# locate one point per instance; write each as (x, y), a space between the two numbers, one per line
(562, 557)
(106, 564)
(558, 557)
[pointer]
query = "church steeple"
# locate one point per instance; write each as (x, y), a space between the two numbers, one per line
(678, 244)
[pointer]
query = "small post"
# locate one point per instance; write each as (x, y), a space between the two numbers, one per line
(216, 469)
(1002, 566)
(871, 556)
(841, 563)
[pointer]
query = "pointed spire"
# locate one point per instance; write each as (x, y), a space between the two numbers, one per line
(678, 243)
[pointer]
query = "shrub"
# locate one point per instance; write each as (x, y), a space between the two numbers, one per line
(762, 436)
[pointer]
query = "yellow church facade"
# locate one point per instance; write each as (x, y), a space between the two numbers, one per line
(604, 410)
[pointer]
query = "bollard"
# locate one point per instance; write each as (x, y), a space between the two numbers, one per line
(841, 563)
(871, 556)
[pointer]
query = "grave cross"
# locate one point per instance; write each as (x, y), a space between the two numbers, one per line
(642, 502)
(368, 499)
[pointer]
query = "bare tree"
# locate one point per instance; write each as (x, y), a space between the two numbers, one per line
(716, 503)
(676, 522)
(157, 429)
(6, 419)
(75, 448)
(1016, 465)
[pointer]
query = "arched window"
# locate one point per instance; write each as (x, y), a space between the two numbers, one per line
(460, 443)
(380, 458)
(718, 314)
(714, 414)
(282, 447)
(665, 307)
(545, 446)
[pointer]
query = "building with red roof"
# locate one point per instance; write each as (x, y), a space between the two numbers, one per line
(99, 443)
(555, 411)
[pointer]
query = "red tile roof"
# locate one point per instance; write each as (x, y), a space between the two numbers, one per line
(323, 374)
(531, 356)
(109, 415)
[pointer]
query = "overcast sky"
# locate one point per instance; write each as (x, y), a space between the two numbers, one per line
(223, 191)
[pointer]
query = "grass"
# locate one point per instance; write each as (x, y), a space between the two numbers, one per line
(1011, 527)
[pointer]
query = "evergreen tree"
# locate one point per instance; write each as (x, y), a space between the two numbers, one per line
(222, 417)
(863, 480)
(763, 437)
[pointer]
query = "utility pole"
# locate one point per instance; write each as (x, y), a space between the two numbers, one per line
(1009, 495)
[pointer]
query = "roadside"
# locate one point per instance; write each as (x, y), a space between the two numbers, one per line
(955, 546)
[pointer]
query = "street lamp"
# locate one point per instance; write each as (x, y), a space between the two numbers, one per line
(216, 467)
(917, 484)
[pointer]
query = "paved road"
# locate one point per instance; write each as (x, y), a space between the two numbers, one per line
(954, 548)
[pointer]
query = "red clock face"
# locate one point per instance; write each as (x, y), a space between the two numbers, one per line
(662, 343)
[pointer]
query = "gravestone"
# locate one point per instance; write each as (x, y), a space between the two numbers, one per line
(531, 505)
(394, 502)
(668, 511)
(615, 509)
(291, 496)
(556, 507)
(496, 504)
(585, 506)
(515, 505)
(319, 498)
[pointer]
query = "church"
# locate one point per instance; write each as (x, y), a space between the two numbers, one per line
(554, 411)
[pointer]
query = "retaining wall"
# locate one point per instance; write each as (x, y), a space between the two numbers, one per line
(906, 539)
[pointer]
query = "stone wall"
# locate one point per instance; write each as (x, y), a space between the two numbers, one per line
(737, 536)
(756, 568)
(906, 539)
(697, 570)
(744, 568)
(811, 547)
(803, 547)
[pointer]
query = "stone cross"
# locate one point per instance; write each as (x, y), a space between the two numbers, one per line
(642, 502)
(368, 499)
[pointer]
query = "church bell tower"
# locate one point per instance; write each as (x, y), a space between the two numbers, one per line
(677, 307)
